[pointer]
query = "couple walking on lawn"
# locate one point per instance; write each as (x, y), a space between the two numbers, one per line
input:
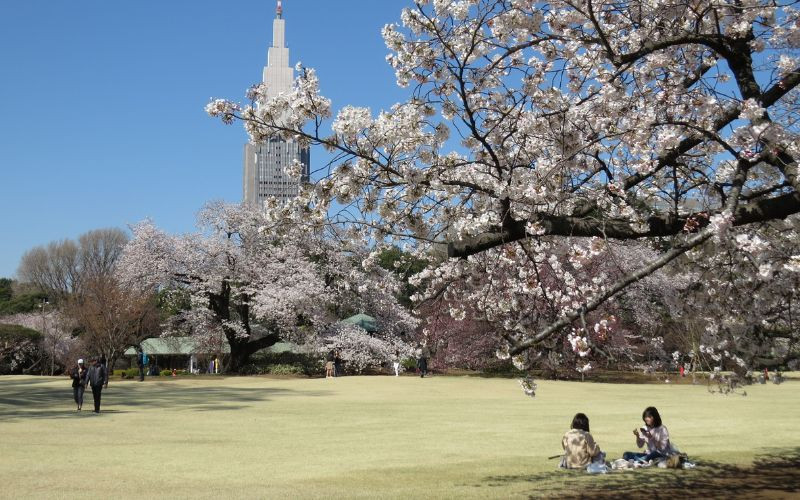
(96, 376)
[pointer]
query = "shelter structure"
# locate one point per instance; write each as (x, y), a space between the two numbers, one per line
(186, 353)
(182, 353)
(365, 321)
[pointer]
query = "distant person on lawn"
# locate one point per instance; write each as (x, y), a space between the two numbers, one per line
(97, 378)
(141, 360)
(337, 364)
(329, 364)
(422, 361)
(654, 434)
(396, 363)
(79, 375)
(580, 449)
(104, 362)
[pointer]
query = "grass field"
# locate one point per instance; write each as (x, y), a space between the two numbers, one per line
(382, 437)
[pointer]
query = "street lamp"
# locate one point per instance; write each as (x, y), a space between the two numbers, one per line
(43, 304)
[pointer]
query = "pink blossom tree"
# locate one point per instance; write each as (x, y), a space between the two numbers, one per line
(251, 286)
(494, 295)
(56, 344)
(19, 349)
(467, 343)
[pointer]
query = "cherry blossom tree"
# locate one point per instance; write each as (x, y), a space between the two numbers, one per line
(360, 349)
(55, 343)
(669, 121)
(19, 347)
(499, 293)
(467, 343)
(251, 286)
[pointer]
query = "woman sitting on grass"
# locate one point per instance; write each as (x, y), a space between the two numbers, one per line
(654, 434)
(580, 450)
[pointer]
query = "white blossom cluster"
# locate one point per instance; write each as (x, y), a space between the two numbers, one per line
(361, 350)
(580, 345)
(740, 293)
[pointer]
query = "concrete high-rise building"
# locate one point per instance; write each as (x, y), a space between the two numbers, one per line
(264, 162)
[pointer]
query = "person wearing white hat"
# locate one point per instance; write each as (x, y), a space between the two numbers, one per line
(79, 375)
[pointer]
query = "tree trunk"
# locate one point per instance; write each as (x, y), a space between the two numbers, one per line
(241, 350)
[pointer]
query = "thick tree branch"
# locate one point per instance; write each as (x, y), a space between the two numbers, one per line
(762, 210)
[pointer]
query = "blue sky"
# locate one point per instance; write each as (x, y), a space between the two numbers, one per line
(103, 122)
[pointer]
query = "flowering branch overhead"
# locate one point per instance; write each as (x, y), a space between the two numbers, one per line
(664, 121)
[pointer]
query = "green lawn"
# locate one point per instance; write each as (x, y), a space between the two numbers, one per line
(380, 437)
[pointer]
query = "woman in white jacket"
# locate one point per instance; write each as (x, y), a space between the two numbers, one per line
(654, 434)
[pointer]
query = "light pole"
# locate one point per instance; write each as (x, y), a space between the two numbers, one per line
(44, 332)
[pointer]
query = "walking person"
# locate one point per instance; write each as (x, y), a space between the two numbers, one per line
(79, 375)
(396, 363)
(104, 362)
(329, 364)
(97, 378)
(140, 364)
(337, 363)
(422, 360)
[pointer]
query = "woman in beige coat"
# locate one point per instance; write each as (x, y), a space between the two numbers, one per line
(579, 446)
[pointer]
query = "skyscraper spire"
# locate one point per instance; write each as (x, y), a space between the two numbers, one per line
(265, 161)
(278, 74)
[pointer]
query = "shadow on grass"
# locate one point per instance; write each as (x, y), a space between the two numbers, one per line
(32, 398)
(776, 474)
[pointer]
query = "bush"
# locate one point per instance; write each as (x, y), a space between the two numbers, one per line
(24, 303)
(282, 369)
(409, 364)
(168, 373)
(17, 333)
(252, 369)
(129, 373)
(267, 361)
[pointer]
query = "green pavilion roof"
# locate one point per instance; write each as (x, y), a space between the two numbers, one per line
(365, 321)
(172, 346)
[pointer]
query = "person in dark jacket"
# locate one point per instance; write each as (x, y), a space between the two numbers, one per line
(97, 378)
(140, 364)
(422, 361)
(79, 375)
(104, 362)
(337, 364)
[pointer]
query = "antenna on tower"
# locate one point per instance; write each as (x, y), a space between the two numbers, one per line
(279, 10)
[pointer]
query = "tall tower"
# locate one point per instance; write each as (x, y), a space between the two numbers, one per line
(264, 162)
